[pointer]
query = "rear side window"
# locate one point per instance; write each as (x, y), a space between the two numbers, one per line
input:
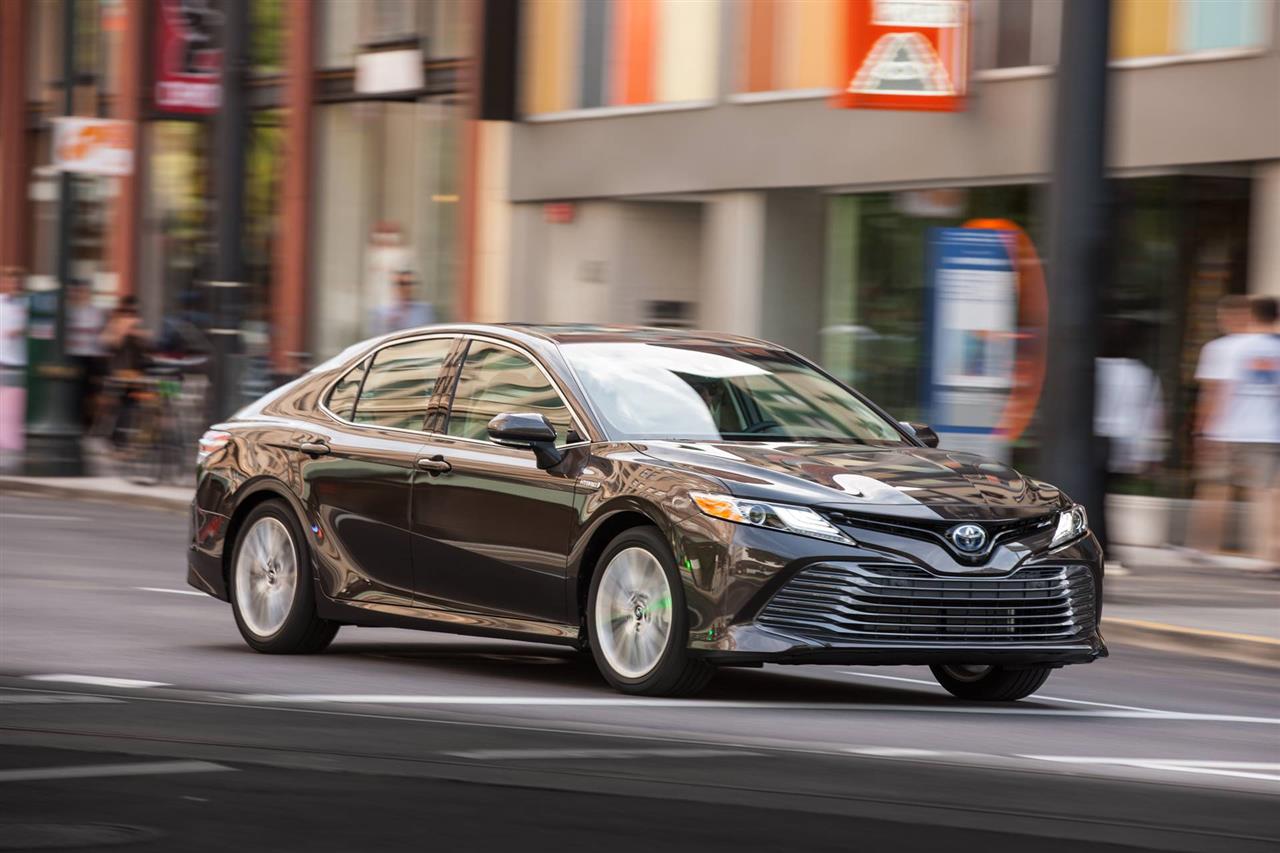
(342, 399)
(496, 379)
(400, 383)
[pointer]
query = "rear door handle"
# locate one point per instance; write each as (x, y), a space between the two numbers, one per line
(314, 448)
(435, 464)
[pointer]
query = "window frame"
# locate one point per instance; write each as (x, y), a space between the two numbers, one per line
(368, 359)
(578, 425)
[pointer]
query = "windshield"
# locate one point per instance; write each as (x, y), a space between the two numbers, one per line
(719, 393)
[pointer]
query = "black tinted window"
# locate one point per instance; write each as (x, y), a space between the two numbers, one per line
(400, 383)
(343, 396)
(496, 379)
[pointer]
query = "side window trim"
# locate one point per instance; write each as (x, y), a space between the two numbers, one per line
(584, 435)
(367, 361)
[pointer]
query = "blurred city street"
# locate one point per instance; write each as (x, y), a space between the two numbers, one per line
(392, 736)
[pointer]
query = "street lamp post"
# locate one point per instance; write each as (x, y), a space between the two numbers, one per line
(53, 435)
(1079, 211)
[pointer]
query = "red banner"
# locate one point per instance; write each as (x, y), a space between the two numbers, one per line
(188, 56)
(907, 55)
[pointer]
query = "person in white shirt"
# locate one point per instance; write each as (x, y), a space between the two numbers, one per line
(1249, 423)
(1212, 469)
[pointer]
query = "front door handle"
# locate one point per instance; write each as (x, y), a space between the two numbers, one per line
(314, 448)
(435, 464)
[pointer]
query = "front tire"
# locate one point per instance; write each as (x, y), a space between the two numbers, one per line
(990, 683)
(637, 621)
(272, 593)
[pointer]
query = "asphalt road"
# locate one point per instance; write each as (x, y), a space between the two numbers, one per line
(131, 713)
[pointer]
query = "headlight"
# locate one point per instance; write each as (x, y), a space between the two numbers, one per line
(1072, 524)
(792, 519)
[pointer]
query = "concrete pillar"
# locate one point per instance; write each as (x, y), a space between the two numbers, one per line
(289, 293)
(794, 256)
(1264, 230)
(128, 107)
(733, 263)
(13, 138)
(490, 299)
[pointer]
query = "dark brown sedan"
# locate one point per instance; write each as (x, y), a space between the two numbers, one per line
(672, 501)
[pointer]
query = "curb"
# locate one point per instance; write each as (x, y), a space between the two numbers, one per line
(1221, 645)
(73, 490)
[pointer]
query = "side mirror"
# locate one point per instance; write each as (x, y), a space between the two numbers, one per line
(528, 430)
(923, 432)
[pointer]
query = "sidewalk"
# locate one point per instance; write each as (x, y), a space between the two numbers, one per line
(1220, 606)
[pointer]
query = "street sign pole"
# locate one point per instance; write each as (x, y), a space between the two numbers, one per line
(53, 425)
(1078, 219)
(231, 139)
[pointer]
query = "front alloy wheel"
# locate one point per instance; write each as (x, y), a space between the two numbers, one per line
(990, 683)
(637, 622)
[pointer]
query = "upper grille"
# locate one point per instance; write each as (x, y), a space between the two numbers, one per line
(1035, 531)
(877, 603)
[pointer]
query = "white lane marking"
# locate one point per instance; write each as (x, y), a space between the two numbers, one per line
(54, 699)
(544, 754)
(173, 591)
(1038, 697)
(894, 751)
(692, 704)
(1238, 769)
(90, 771)
(37, 517)
(97, 680)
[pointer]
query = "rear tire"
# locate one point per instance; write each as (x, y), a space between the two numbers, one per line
(990, 683)
(637, 621)
(272, 592)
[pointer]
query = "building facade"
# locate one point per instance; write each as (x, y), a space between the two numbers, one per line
(682, 163)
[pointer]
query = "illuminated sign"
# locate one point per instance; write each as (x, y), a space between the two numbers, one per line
(907, 55)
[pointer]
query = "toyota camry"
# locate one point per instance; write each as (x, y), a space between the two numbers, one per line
(671, 501)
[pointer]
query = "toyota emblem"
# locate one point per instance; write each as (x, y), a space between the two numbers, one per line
(969, 538)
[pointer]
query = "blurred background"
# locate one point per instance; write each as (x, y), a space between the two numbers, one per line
(1050, 228)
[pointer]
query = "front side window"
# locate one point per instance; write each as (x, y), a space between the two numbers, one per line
(496, 379)
(400, 383)
(720, 393)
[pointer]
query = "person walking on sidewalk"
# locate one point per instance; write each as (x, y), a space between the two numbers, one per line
(1212, 469)
(85, 322)
(1251, 425)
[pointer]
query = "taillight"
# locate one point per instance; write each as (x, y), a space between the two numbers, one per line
(211, 442)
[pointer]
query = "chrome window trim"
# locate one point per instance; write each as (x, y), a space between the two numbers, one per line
(369, 356)
(551, 380)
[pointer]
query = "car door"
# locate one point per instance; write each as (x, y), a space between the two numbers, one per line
(359, 471)
(491, 530)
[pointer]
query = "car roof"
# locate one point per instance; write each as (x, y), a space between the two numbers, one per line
(567, 333)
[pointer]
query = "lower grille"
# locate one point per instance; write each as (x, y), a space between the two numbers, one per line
(877, 603)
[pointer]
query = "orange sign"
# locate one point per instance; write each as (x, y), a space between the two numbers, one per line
(907, 55)
(94, 146)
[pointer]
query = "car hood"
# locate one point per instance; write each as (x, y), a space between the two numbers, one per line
(906, 481)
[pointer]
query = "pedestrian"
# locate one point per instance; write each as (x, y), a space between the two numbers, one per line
(1251, 425)
(1129, 415)
(13, 360)
(1213, 489)
(128, 347)
(405, 311)
(85, 324)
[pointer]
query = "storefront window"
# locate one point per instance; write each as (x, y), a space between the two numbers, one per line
(1168, 27)
(266, 37)
(387, 201)
(1179, 244)
(787, 46)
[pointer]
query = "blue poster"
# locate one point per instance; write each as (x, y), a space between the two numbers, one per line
(972, 335)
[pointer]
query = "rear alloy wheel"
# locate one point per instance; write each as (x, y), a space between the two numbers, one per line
(990, 683)
(637, 622)
(271, 589)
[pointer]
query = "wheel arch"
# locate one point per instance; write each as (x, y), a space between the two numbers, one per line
(607, 526)
(250, 496)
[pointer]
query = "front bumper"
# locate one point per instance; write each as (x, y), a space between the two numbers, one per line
(781, 598)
